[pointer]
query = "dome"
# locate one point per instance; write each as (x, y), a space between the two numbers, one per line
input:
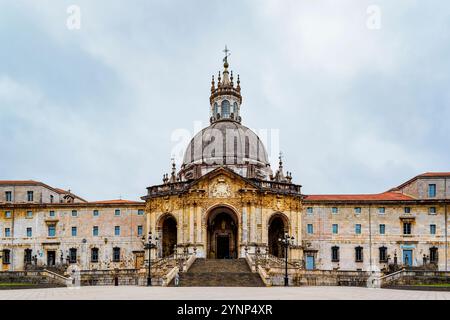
(227, 143)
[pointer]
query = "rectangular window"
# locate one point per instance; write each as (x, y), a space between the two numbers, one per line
(94, 255)
(29, 232)
(139, 231)
(140, 212)
(8, 214)
(52, 230)
(357, 228)
(72, 255)
(383, 254)
(7, 232)
(28, 253)
(309, 210)
(310, 229)
(6, 256)
(407, 210)
(95, 231)
(74, 213)
(432, 210)
(116, 254)
(51, 213)
(74, 231)
(334, 254)
(431, 190)
(359, 254)
(30, 196)
(381, 210)
(357, 210)
(117, 230)
(382, 228)
(432, 229)
(117, 212)
(29, 214)
(434, 258)
(95, 213)
(51, 198)
(334, 210)
(407, 228)
(335, 229)
(8, 196)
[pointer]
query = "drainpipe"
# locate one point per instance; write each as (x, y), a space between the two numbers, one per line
(370, 237)
(446, 224)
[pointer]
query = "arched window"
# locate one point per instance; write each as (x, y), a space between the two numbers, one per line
(225, 109)
(215, 109)
(235, 108)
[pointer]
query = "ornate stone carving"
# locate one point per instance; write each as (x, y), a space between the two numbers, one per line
(221, 189)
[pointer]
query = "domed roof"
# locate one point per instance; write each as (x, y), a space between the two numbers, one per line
(226, 143)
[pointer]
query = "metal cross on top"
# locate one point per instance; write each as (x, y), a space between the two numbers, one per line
(227, 54)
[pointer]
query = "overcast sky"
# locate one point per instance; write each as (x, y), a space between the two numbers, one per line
(358, 109)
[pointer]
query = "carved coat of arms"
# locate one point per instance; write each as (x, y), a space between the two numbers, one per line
(221, 190)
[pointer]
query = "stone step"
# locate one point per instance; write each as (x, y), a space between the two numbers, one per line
(222, 279)
(219, 273)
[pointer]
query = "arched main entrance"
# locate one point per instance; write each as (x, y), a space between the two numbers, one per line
(277, 227)
(222, 230)
(168, 227)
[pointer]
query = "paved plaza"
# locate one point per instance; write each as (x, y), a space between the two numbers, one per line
(219, 293)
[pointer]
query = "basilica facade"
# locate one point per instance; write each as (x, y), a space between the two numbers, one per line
(225, 202)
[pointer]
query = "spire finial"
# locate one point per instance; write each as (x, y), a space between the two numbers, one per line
(225, 59)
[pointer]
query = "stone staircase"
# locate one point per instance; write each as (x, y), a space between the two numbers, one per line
(219, 273)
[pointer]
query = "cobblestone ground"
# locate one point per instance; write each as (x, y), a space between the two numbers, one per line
(219, 293)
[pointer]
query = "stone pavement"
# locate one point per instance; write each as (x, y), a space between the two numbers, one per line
(219, 293)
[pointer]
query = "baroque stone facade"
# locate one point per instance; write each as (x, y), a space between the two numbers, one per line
(226, 202)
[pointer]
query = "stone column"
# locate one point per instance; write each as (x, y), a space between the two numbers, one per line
(259, 230)
(253, 229)
(244, 225)
(191, 224)
(199, 224)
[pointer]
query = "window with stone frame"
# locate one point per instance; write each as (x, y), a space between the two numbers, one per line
(6, 256)
(8, 196)
(51, 230)
(383, 254)
(335, 254)
(72, 255)
(432, 190)
(434, 257)
(27, 256)
(94, 255)
(359, 254)
(407, 228)
(382, 228)
(432, 229)
(30, 196)
(116, 254)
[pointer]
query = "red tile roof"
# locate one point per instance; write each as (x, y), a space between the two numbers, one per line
(20, 182)
(385, 196)
(117, 201)
(423, 175)
(37, 183)
(435, 174)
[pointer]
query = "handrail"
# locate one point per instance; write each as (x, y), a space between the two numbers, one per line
(390, 275)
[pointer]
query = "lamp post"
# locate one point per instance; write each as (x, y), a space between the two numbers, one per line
(286, 242)
(151, 243)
